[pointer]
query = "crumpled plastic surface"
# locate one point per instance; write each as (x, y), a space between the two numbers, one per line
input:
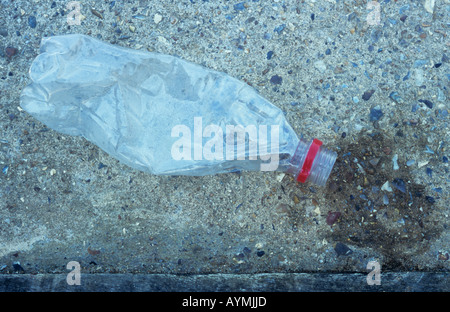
(127, 102)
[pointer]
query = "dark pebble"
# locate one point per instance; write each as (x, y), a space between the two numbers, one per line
(313, 16)
(430, 199)
(239, 6)
(279, 28)
(437, 65)
(342, 249)
(343, 135)
(445, 159)
(10, 52)
(332, 217)
(269, 55)
(429, 172)
(17, 267)
(368, 94)
(403, 18)
(276, 80)
(399, 184)
(53, 5)
(32, 21)
(429, 104)
(101, 165)
(260, 253)
(375, 114)
(247, 250)
(328, 52)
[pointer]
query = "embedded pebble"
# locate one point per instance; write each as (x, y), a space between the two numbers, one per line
(279, 177)
(10, 52)
(239, 6)
(399, 184)
(430, 199)
(96, 13)
(429, 104)
(342, 249)
(276, 80)
(386, 187)
(376, 113)
(320, 66)
(332, 217)
(157, 18)
(429, 6)
(32, 21)
(279, 28)
(17, 267)
(368, 94)
(374, 162)
(396, 97)
(394, 161)
(418, 76)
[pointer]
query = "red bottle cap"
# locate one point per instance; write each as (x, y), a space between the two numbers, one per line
(307, 164)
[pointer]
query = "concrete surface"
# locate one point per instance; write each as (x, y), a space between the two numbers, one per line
(375, 93)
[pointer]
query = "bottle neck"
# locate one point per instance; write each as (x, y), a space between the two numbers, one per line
(312, 162)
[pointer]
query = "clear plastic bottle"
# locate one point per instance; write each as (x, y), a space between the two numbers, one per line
(161, 114)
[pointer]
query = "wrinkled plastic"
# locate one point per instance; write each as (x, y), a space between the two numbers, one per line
(129, 102)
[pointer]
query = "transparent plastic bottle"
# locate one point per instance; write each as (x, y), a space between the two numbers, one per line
(160, 114)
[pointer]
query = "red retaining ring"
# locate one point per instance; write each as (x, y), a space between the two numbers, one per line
(307, 164)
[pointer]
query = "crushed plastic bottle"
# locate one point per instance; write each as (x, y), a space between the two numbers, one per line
(160, 114)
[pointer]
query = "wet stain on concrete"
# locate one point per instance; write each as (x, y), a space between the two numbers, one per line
(381, 208)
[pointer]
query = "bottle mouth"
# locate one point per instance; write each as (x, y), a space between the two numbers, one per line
(313, 162)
